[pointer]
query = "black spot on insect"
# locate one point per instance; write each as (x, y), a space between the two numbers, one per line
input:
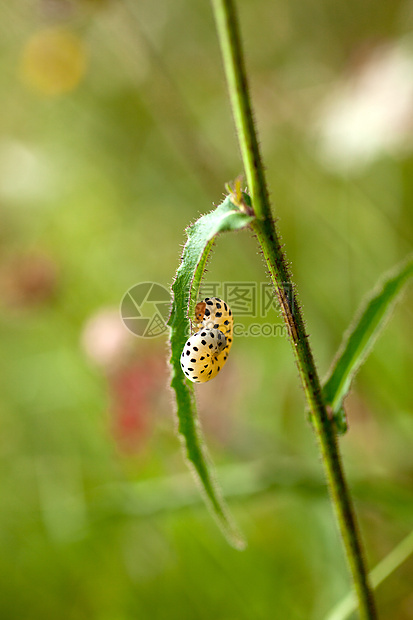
(211, 346)
(218, 315)
(212, 336)
(207, 354)
(203, 334)
(190, 369)
(219, 368)
(226, 322)
(229, 339)
(194, 377)
(206, 298)
(225, 357)
(187, 373)
(209, 302)
(202, 358)
(217, 299)
(229, 312)
(225, 306)
(216, 325)
(220, 344)
(207, 312)
(219, 306)
(202, 371)
(203, 342)
(193, 360)
(206, 366)
(188, 352)
(216, 359)
(195, 348)
(210, 372)
(188, 343)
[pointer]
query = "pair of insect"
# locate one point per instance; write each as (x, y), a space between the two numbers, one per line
(206, 351)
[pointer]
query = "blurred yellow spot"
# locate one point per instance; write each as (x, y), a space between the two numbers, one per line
(53, 61)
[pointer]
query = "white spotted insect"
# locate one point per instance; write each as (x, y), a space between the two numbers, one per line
(206, 351)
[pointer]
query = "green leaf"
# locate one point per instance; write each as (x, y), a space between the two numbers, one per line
(360, 338)
(348, 604)
(226, 217)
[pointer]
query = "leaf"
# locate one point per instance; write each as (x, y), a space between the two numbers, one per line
(224, 218)
(348, 604)
(360, 338)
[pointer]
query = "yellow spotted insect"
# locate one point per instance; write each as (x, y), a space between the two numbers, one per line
(206, 352)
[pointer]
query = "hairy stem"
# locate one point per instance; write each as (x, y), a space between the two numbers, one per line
(265, 229)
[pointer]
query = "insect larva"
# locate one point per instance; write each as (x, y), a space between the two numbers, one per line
(206, 352)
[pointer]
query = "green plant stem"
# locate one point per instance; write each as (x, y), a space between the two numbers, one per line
(264, 227)
(384, 569)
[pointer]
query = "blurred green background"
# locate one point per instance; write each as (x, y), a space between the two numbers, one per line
(116, 133)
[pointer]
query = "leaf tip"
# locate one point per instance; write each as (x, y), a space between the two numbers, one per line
(238, 197)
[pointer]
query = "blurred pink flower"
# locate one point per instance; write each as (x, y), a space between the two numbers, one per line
(370, 112)
(134, 393)
(105, 339)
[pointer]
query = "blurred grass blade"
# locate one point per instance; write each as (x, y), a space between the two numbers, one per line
(388, 565)
(201, 235)
(361, 336)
